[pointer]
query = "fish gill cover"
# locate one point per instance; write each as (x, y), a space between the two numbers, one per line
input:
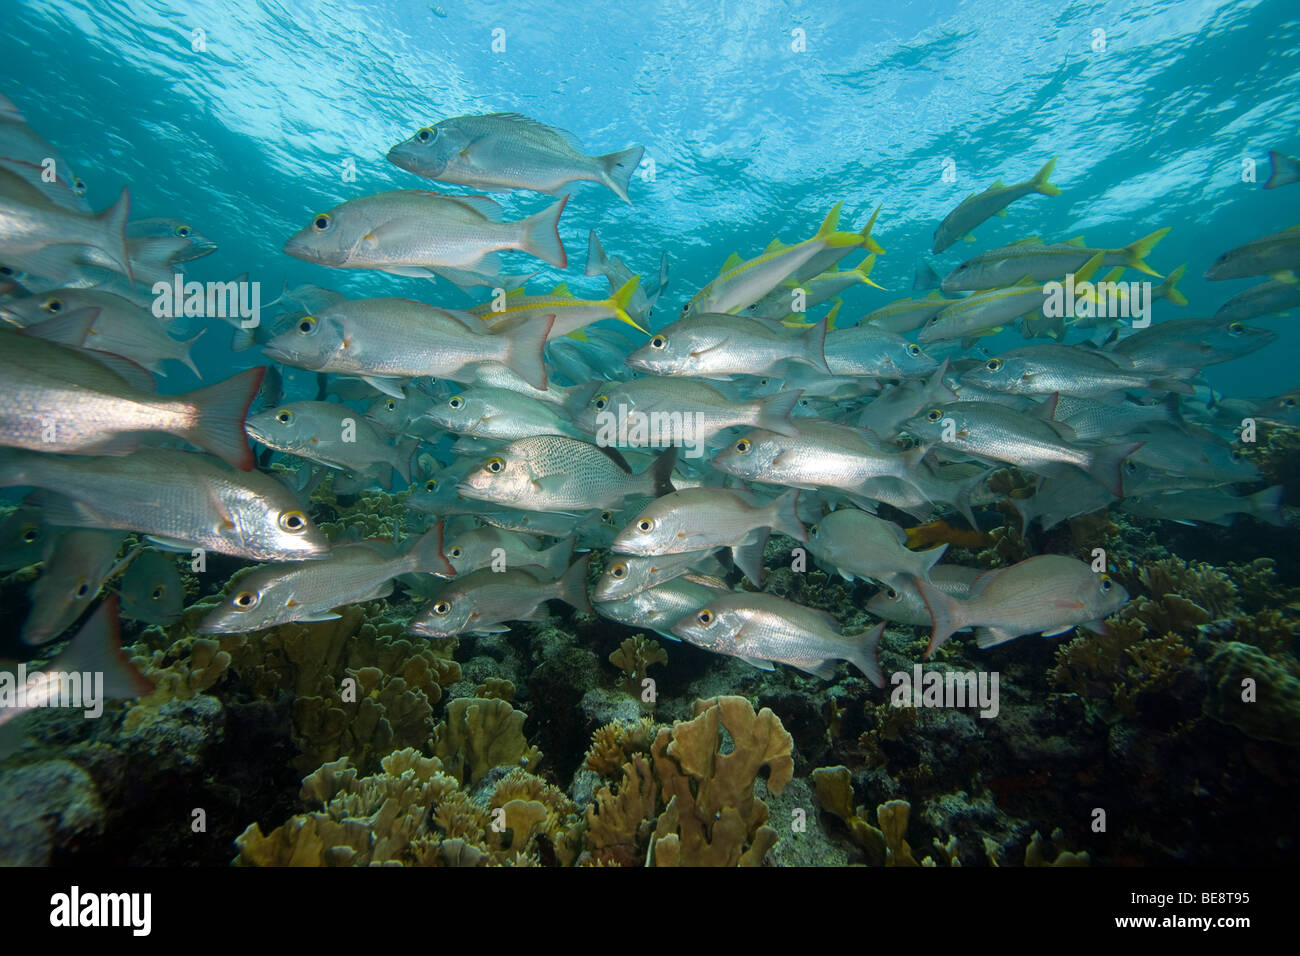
(485, 434)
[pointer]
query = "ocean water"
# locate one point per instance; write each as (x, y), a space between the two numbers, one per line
(246, 119)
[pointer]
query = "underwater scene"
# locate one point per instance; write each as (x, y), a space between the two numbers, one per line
(675, 434)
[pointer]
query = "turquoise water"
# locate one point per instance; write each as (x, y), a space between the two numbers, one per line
(750, 138)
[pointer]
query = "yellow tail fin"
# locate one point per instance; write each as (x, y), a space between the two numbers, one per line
(864, 269)
(1168, 288)
(1040, 180)
(1136, 252)
(621, 299)
(867, 241)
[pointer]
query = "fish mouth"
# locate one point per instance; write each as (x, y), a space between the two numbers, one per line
(466, 490)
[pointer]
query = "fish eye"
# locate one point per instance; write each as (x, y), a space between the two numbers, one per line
(83, 588)
(431, 484)
(455, 552)
(1106, 584)
(246, 600)
(705, 617)
(1131, 467)
(934, 414)
(891, 594)
(1236, 328)
(391, 405)
(994, 365)
(29, 533)
(442, 608)
(659, 342)
(495, 465)
(743, 446)
(764, 380)
(53, 305)
(914, 350)
(183, 231)
(158, 593)
(812, 531)
(322, 222)
(645, 525)
(307, 325)
(601, 402)
(1236, 456)
(78, 185)
(294, 522)
(606, 516)
(284, 416)
(1288, 402)
(457, 402)
(618, 572)
(427, 135)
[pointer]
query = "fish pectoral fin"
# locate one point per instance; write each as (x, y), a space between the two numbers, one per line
(825, 670)
(757, 662)
(487, 629)
(992, 636)
(385, 385)
(319, 616)
(1068, 605)
(171, 544)
(1058, 631)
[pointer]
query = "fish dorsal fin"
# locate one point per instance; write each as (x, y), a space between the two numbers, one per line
(562, 290)
(1027, 241)
(831, 224)
(1028, 280)
(1076, 241)
(733, 260)
(555, 134)
(774, 246)
(516, 293)
(999, 184)
(835, 310)
(578, 334)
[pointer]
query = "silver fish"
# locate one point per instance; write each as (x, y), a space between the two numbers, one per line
(860, 545)
(662, 606)
(977, 207)
(82, 560)
(151, 590)
(333, 435)
(480, 602)
(708, 345)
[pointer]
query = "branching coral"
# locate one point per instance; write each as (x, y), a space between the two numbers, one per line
(1036, 853)
(634, 658)
(479, 734)
(613, 744)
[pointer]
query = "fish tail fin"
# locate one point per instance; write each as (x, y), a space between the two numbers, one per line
(1285, 170)
(619, 167)
(945, 613)
(97, 647)
(1135, 253)
(623, 297)
(426, 554)
(866, 653)
(113, 221)
(558, 556)
(1169, 288)
(931, 557)
(775, 412)
(785, 516)
(542, 235)
(866, 240)
(221, 409)
(1107, 466)
(815, 338)
(661, 472)
(864, 268)
(571, 588)
(596, 261)
(523, 354)
(1040, 180)
(1268, 505)
(403, 456)
(187, 356)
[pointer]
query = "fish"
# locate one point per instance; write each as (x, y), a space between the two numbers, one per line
(662, 606)
(741, 284)
(1066, 370)
(902, 603)
(1192, 453)
(510, 151)
(626, 575)
(697, 519)
(1005, 266)
(571, 314)
(51, 241)
(333, 435)
(1091, 420)
(872, 351)
(617, 274)
(75, 571)
(404, 416)
(193, 244)
(311, 590)
(557, 473)
(1061, 498)
(762, 629)
(860, 545)
(1183, 344)
(780, 302)
(679, 411)
(982, 313)
(499, 549)
(151, 590)
(1274, 297)
(412, 232)
(95, 655)
(1209, 506)
(1280, 410)
(722, 346)
(978, 207)
(1049, 594)
(1276, 255)
(995, 433)
(383, 340)
(180, 499)
(907, 315)
(925, 278)
(499, 414)
(1285, 170)
(482, 601)
(58, 399)
(25, 153)
(25, 538)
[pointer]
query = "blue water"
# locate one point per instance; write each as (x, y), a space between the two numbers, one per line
(750, 137)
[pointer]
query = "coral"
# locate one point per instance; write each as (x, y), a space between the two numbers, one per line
(1268, 708)
(1203, 585)
(479, 734)
(885, 845)
(613, 744)
(188, 667)
(1121, 664)
(496, 687)
(634, 657)
(1036, 853)
(622, 818)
